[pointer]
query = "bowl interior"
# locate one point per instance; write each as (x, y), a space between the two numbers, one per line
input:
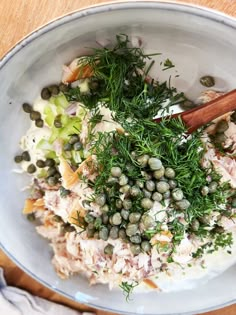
(198, 43)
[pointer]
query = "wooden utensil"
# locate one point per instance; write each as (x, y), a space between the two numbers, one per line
(203, 114)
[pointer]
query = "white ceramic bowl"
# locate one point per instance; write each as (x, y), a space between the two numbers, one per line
(197, 40)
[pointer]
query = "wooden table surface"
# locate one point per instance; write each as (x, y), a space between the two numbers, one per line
(17, 19)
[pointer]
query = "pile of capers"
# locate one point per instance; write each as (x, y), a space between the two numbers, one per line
(73, 143)
(53, 176)
(33, 114)
(124, 219)
(53, 90)
(219, 136)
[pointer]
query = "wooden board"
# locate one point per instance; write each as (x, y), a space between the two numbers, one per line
(17, 19)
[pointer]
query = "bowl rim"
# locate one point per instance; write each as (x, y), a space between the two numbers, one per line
(103, 7)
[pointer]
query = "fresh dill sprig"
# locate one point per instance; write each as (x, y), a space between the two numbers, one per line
(128, 289)
(123, 87)
(168, 64)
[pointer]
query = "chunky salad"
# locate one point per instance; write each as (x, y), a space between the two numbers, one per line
(122, 199)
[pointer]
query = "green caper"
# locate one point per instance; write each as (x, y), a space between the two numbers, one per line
(122, 234)
(219, 138)
(156, 196)
(172, 183)
(51, 171)
(150, 185)
(108, 249)
(112, 180)
(27, 108)
(155, 164)
(31, 169)
(116, 171)
(116, 219)
(183, 204)
(73, 139)
(63, 87)
(34, 115)
(146, 246)
(127, 204)
(207, 81)
(162, 187)
(166, 195)
(119, 204)
(114, 232)
(110, 221)
(54, 89)
(222, 126)
(146, 193)
(103, 233)
(40, 164)
(25, 156)
(136, 239)
(98, 222)
(88, 218)
(105, 218)
(148, 221)
(213, 187)
(146, 203)
(78, 146)
(125, 214)
(68, 228)
(57, 122)
(159, 173)
(177, 194)
(204, 220)
(105, 208)
(57, 218)
(140, 184)
(31, 217)
(57, 175)
(90, 230)
(146, 176)
(195, 225)
(187, 104)
(169, 173)
(218, 229)
(123, 180)
(49, 162)
(135, 249)
(39, 123)
(143, 160)
(233, 202)
(134, 217)
(125, 189)
(100, 199)
(205, 190)
(45, 94)
(135, 191)
(52, 181)
(67, 147)
(131, 229)
(18, 158)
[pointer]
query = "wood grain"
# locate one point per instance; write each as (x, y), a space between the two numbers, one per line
(17, 19)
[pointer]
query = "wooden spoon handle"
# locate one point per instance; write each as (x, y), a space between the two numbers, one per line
(201, 115)
(205, 113)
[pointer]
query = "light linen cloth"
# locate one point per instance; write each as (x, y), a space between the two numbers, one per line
(14, 301)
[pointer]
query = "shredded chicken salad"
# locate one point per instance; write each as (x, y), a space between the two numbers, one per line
(123, 200)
